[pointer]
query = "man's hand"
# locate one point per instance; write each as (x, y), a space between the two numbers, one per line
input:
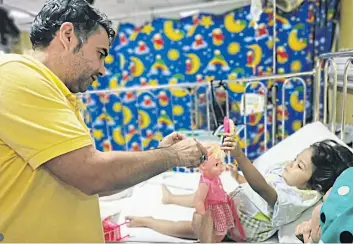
(202, 226)
(310, 230)
(171, 139)
(190, 153)
(315, 224)
(303, 231)
(196, 223)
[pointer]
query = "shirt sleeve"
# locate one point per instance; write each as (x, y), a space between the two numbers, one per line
(36, 119)
(291, 202)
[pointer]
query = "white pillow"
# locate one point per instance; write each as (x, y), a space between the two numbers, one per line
(289, 148)
(286, 234)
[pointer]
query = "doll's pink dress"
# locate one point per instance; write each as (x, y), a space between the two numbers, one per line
(222, 208)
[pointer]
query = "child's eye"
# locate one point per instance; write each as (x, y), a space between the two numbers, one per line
(299, 166)
(217, 164)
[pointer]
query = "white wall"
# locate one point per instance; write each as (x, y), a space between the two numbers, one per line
(125, 11)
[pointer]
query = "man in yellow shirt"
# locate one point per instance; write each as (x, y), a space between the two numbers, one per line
(50, 173)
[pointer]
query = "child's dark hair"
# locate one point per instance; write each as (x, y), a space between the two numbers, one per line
(330, 159)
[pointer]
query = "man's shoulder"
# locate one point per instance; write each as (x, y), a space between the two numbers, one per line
(12, 57)
(17, 63)
(25, 72)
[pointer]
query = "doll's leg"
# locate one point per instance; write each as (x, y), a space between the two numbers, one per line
(180, 229)
(182, 200)
(219, 239)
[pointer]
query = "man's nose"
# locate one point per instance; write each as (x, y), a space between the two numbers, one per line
(102, 71)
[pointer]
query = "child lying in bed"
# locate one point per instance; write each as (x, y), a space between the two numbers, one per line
(265, 203)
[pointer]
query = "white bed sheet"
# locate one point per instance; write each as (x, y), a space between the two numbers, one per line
(146, 197)
(146, 201)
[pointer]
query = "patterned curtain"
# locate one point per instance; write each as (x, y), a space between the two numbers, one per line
(205, 47)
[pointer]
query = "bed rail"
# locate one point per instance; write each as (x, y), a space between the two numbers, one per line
(324, 64)
(322, 67)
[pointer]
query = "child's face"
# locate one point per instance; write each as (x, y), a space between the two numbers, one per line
(298, 172)
(213, 167)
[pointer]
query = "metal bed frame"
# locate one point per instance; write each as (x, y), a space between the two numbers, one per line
(325, 60)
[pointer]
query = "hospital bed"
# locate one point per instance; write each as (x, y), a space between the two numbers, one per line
(145, 199)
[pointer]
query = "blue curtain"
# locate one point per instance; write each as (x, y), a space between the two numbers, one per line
(198, 48)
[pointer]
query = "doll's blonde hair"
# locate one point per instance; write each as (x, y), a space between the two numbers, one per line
(215, 151)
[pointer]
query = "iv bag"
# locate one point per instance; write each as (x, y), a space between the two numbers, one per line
(256, 11)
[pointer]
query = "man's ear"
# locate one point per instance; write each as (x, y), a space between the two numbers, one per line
(67, 36)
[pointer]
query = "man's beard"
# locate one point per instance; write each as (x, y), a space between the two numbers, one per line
(82, 84)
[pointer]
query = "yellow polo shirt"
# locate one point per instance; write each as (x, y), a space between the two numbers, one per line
(40, 120)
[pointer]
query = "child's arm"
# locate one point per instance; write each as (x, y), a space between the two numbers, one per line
(200, 198)
(234, 173)
(252, 175)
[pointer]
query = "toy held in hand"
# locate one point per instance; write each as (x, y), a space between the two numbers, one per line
(229, 126)
(212, 196)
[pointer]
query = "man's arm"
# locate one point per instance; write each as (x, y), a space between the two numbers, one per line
(108, 193)
(95, 172)
(166, 142)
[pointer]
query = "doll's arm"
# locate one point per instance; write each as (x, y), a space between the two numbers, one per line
(200, 198)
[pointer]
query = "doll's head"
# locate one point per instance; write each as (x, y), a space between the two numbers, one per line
(214, 166)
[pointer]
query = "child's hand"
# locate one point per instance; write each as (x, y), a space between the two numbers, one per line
(232, 146)
(235, 174)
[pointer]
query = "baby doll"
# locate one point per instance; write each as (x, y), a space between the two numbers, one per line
(211, 195)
